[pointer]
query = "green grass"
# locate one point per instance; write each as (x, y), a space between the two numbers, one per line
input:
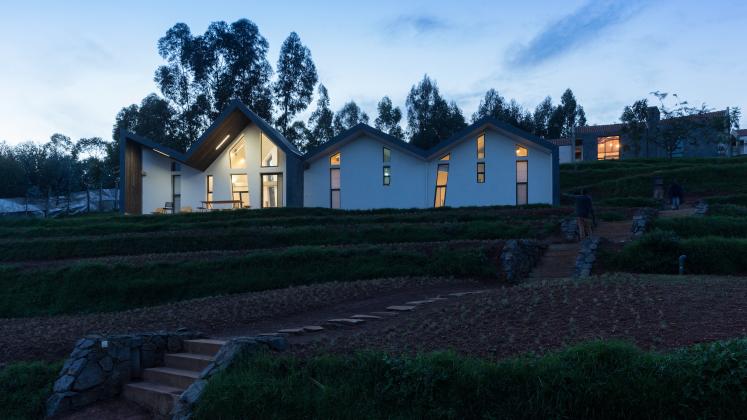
(657, 252)
(597, 380)
(694, 227)
(731, 210)
(24, 389)
(268, 237)
(99, 287)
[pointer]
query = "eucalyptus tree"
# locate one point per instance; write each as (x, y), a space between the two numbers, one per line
(296, 78)
(389, 118)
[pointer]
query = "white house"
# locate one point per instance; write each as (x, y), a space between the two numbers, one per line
(241, 161)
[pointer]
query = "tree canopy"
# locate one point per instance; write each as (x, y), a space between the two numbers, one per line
(295, 83)
(430, 118)
(389, 118)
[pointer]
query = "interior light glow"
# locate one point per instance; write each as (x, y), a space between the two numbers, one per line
(222, 141)
(162, 153)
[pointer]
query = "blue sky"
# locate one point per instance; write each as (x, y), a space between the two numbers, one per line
(69, 66)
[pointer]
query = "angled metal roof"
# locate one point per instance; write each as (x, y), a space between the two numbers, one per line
(357, 131)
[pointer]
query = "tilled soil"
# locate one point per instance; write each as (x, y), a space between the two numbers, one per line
(52, 338)
(654, 312)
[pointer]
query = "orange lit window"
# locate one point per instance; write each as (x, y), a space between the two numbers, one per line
(334, 160)
(521, 151)
(608, 148)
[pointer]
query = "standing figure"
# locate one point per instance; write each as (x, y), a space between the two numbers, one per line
(584, 215)
(676, 194)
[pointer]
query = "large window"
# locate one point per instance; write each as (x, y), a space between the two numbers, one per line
(480, 172)
(334, 188)
(387, 175)
(442, 178)
(209, 186)
(272, 190)
(522, 182)
(240, 190)
(481, 147)
(608, 148)
(237, 156)
(269, 152)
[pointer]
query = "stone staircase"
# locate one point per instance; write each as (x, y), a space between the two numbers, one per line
(558, 261)
(161, 387)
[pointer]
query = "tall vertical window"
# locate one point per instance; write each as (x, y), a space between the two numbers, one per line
(522, 182)
(268, 152)
(334, 188)
(272, 190)
(480, 172)
(176, 192)
(521, 151)
(387, 155)
(608, 148)
(240, 190)
(237, 156)
(387, 175)
(334, 160)
(579, 150)
(481, 146)
(442, 178)
(209, 188)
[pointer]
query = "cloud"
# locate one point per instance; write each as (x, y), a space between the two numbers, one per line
(571, 31)
(417, 25)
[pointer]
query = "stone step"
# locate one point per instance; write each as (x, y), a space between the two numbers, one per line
(187, 361)
(157, 398)
(364, 316)
(293, 331)
(177, 378)
(400, 308)
(384, 313)
(313, 328)
(206, 346)
(345, 321)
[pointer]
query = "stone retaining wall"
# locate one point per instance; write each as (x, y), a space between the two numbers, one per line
(587, 254)
(569, 229)
(642, 219)
(701, 208)
(228, 354)
(518, 258)
(99, 366)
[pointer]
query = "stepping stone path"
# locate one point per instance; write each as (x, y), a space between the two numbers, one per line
(291, 331)
(313, 328)
(365, 317)
(400, 308)
(385, 313)
(346, 321)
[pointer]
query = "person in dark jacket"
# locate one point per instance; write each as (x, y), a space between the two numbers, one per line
(676, 195)
(584, 215)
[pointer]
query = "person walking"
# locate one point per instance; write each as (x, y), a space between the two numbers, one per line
(676, 195)
(584, 215)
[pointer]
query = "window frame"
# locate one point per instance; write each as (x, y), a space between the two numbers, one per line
(239, 144)
(578, 149)
(176, 198)
(615, 155)
(262, 189)
(520, 147)
(262, 137)
(439, 186)
(339, 159)
(526, 183)
(240, 205)
(480, 137)
(386, 157)
(479, 172)
(333, 190)
(209, 189)
(387, 177)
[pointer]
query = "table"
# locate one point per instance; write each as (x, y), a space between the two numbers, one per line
(209, 203)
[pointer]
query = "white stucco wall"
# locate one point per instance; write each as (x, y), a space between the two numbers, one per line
(499, 187)
(361, 177)
(565, 154)
(157, 180)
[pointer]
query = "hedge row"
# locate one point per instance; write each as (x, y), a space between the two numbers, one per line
(98, 287)
(689, 227)
(109, 226)
(24, 389)
(260, 238)
(598, 380)
(658, 252)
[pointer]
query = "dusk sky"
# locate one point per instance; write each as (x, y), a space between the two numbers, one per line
(70, 66)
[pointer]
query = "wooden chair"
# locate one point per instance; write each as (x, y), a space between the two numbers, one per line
(169, 206)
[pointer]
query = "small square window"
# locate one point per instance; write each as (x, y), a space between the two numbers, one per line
(445, 157)
(387, 175)
(334, 160)
(387, 155)
(480, 172)
(521, 151)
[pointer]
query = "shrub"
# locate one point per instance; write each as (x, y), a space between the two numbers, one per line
(597, 380)
(731, 210)
(630, 202)
(689, 227)
(655, 252)
(98, 287)
(24, 389)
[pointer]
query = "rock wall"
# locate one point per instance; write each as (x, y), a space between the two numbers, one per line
(229, 353)
(518, 258)
(99, 366)
(701, 208)
(642, 219)
(587, 254)
(569, 229)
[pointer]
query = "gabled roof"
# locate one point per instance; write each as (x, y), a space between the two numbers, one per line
(357, 131)
(600, 129)
(211, 144)
(426, 154)
(481, 124)
(742, 133)
(169, 152)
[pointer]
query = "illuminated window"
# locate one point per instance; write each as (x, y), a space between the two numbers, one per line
(334, 160)
(608, 148)
(481, 146)
(240, 190)
(387, 155)
(442, 178)
(522, 182)
(445, 157)
(579, 151)
(176, 192)
(387, 175)
(334, 187)
(209, 192)
(272, 190)
(269, 152)
(237, 156)
(521, 151)
(480, 172)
